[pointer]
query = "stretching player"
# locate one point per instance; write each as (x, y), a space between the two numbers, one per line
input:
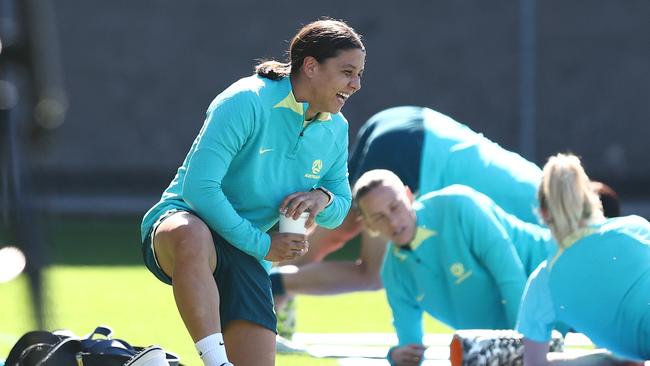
(453, 254)
(599, 281)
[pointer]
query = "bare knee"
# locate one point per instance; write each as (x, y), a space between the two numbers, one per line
(325, 241)
(184, 241)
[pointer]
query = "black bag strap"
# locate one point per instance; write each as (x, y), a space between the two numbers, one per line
(108, 345)
(40, 337)
(63, 353)
(103, 330)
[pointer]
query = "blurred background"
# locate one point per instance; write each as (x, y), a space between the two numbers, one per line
(108, 97)
(140, 75)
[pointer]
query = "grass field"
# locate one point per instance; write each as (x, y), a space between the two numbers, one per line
(96, 278)
(141, 310)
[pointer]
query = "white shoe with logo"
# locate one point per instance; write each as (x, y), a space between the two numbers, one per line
(150, 356)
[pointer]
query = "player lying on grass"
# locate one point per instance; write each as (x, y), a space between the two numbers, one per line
(598, 282)
(453, 254)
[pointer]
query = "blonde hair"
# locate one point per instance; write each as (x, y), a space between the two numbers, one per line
(567, 197)
(372, 179)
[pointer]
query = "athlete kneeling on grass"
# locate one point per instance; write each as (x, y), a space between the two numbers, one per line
(598, 282)
(454, 254)
(274, 140)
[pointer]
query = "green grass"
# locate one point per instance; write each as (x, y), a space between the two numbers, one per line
(141, 310)
(97, 277)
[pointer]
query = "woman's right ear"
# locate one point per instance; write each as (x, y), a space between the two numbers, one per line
(309, 65)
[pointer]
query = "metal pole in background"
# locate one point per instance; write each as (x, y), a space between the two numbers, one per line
(22, 220)
(32, 99)
(527, 78)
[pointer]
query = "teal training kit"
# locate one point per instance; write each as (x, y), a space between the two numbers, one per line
(599, 284)
(467, 265)
(254, 149)
(430, 151)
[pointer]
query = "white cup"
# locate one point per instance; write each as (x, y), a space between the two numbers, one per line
(289, 225)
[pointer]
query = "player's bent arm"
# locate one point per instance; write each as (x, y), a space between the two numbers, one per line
(229, 123)
(336, 277)
(324, 241)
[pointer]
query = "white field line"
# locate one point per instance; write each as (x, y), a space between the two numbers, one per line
(389, 339)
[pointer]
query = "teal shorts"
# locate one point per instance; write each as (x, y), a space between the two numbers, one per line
(244, 285)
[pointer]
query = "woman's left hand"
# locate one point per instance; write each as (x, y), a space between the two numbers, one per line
(295, 204)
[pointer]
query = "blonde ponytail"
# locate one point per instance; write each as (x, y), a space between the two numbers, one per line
(566, 196)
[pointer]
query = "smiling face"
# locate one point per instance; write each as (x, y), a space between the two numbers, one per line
(388, 210)
(334, 80)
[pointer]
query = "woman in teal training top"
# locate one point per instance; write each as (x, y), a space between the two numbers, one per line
(454, 254)
(272, 143)
(598, 283)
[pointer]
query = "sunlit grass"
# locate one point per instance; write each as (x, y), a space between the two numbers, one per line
(141, 310)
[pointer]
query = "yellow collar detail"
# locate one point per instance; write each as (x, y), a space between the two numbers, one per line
(290, 102)
(421, 235)
(577, 235)
(570, 240)
(399, 255)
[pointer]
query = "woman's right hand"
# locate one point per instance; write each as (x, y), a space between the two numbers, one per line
(285, 246)
(409, 355)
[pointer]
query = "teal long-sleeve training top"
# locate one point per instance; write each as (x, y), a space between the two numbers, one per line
(451, 153)
(467, 265)
(599, 284)
(253, 150)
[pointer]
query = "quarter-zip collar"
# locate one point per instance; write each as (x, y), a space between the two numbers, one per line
(299, 108)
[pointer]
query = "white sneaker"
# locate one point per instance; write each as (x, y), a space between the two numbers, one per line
(150, 356)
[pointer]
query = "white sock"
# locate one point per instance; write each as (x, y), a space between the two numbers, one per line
(212, 350)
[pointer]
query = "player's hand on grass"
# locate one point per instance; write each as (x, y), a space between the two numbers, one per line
(285, 246)
(295, 204)
(409, 355)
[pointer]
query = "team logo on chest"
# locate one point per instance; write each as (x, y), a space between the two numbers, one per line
(316, 167)
(458, 271)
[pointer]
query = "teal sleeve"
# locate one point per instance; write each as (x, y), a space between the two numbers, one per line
(226, 130)
(493, 248)
(407, 314)
(536, 315)
(336, 181)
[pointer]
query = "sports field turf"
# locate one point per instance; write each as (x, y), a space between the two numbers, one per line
(96, 278)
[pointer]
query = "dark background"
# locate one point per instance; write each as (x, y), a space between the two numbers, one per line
(140, 74)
